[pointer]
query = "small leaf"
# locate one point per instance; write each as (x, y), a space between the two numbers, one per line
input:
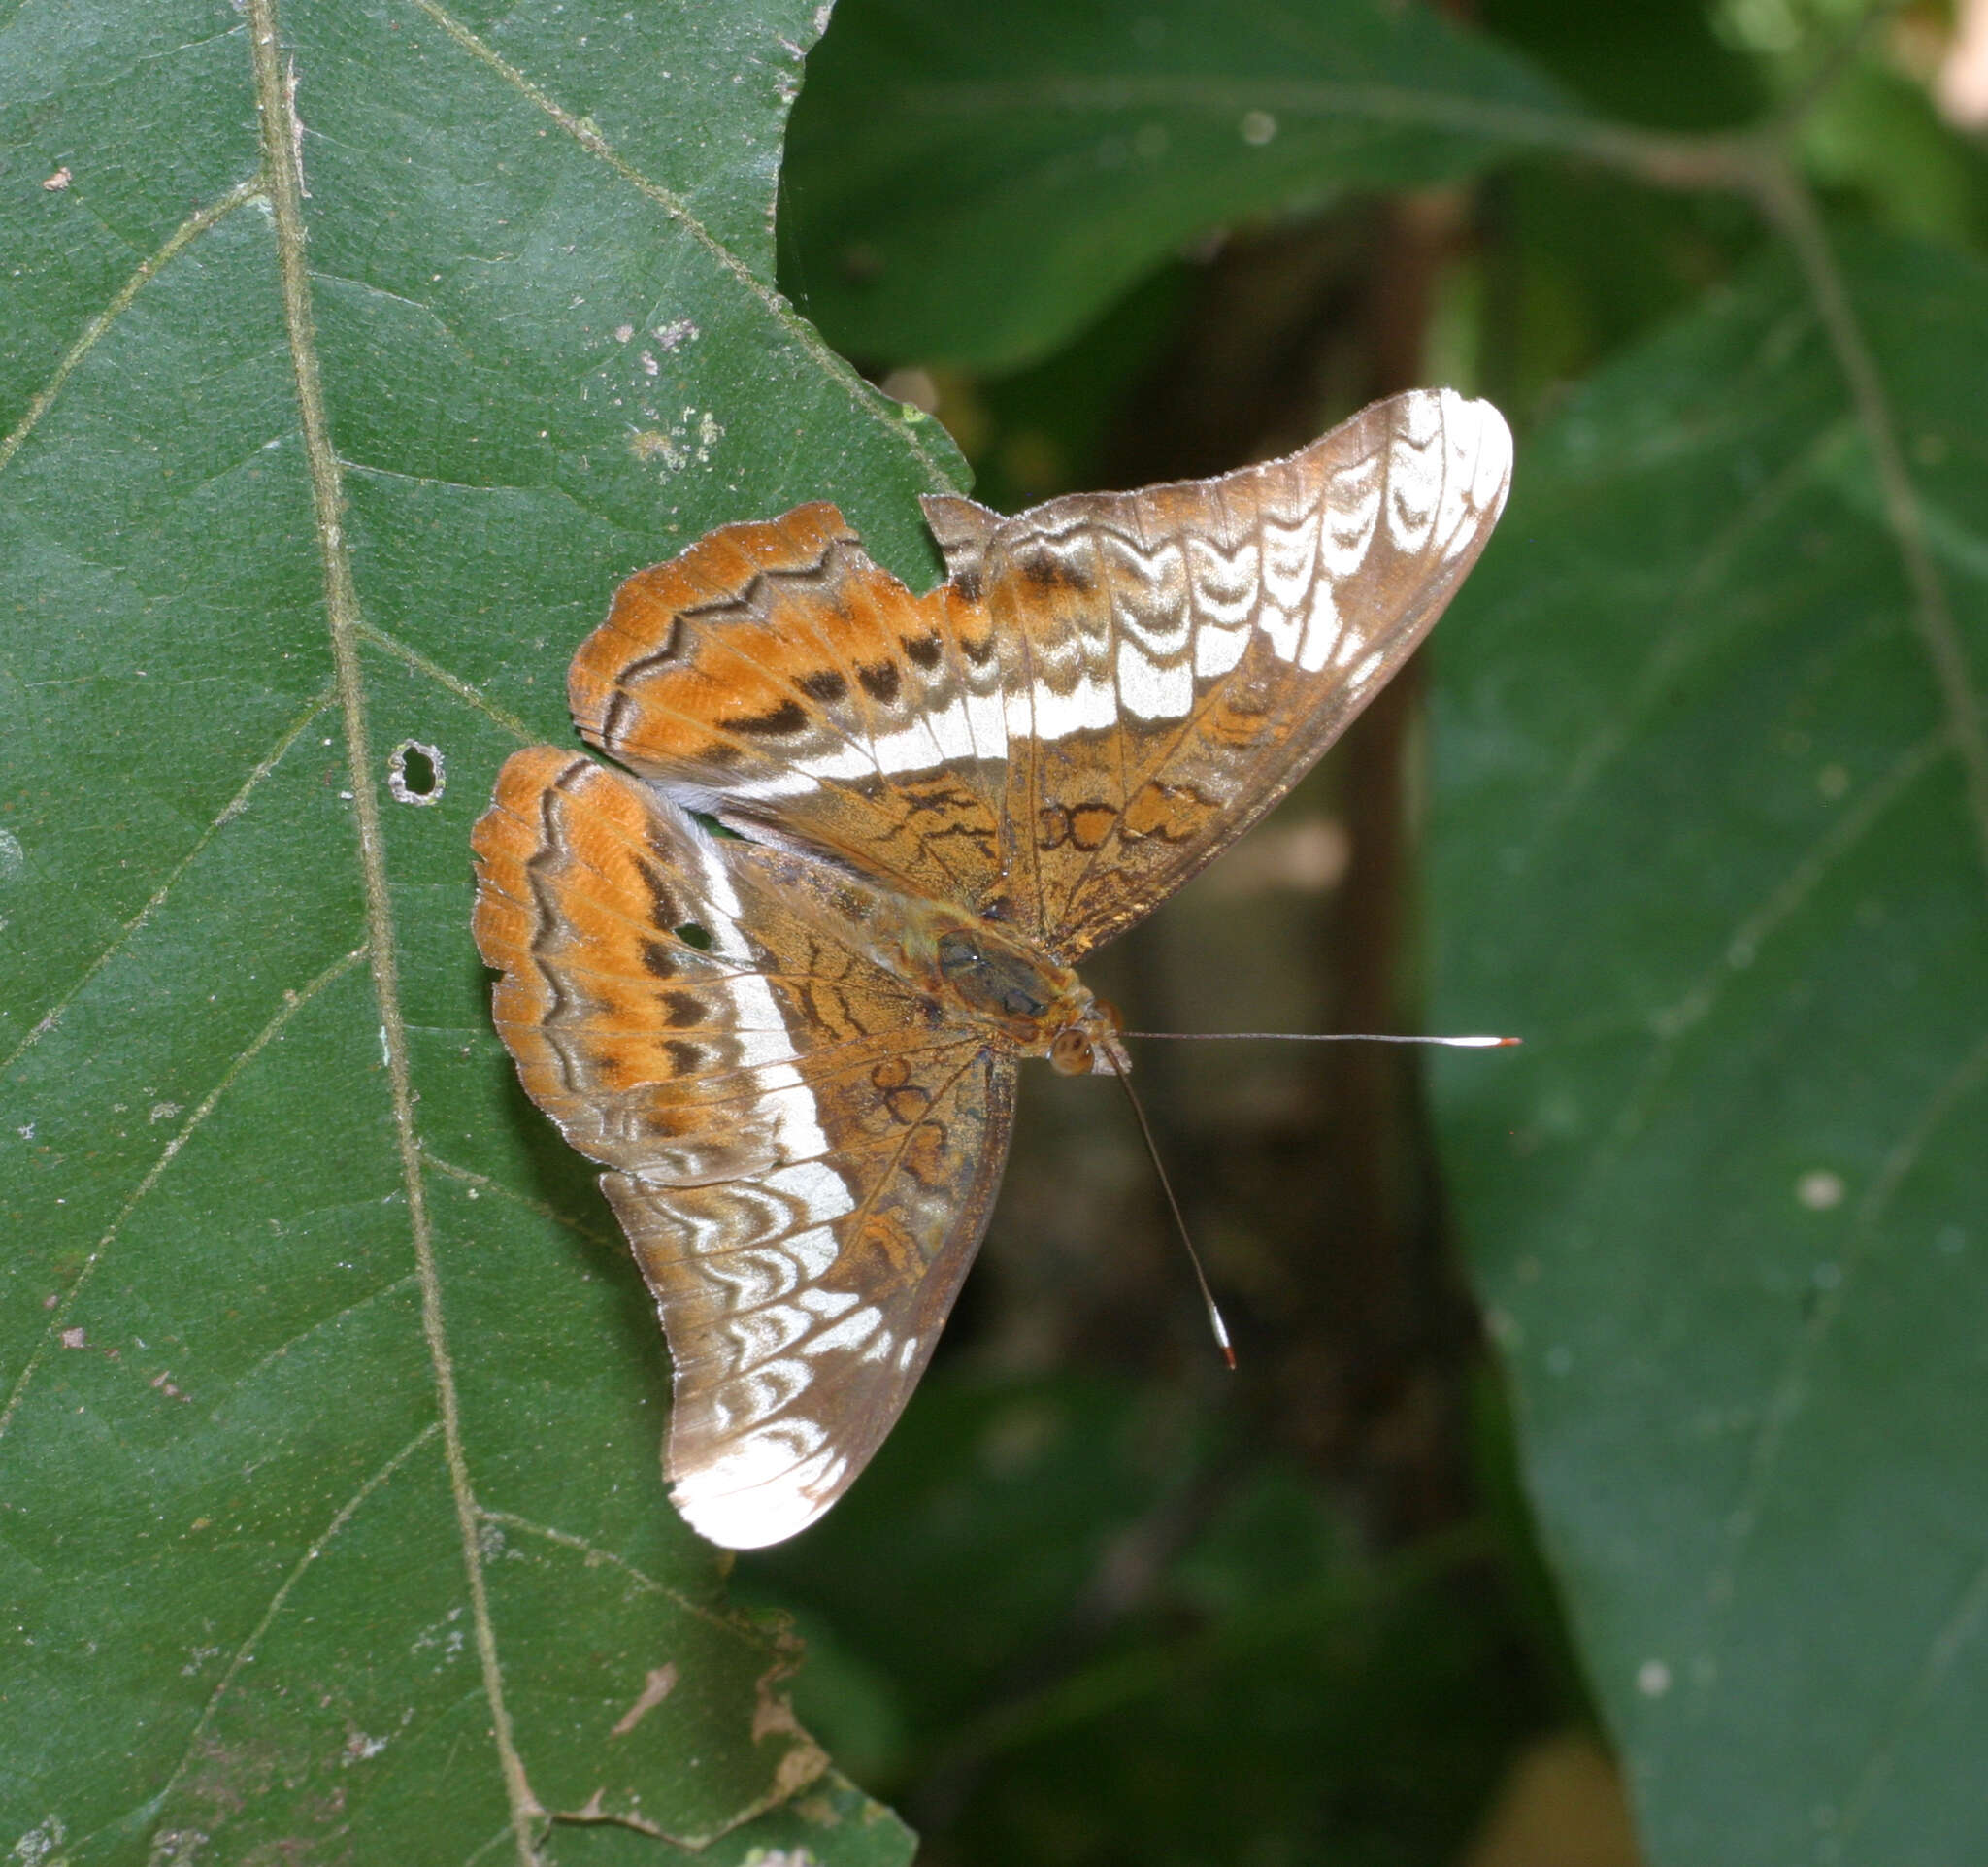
(1712, 830)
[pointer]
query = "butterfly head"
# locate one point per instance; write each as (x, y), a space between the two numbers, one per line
(1090, 1047)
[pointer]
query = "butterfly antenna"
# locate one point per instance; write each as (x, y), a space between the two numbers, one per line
(1324, 1037)
(1208, 1296)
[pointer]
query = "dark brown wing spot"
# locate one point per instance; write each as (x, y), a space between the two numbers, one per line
(685, 1059)
(923, 650)
(620, 704)
(1044, 571)
(681, 1009)
(825, 685)
(968, 584)
(903, 1098)
(880, 680)
(663, 906)
(669, 650)
(660, 961)
(789, 717)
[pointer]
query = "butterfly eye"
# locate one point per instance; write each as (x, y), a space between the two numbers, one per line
(1109, 1016)
(1070, 1053)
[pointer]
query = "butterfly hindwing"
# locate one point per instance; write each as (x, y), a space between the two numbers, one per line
(797, 1330)
(803, 1160)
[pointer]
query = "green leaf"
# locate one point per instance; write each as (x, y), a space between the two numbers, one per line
(972, 184)
(331, 1403)
(1712, 834)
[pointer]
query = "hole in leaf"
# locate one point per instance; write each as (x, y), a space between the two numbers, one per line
(693, 935)
(415, 773)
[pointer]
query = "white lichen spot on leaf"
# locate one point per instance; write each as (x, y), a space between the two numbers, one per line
(687, 441)
(175, 1848)
(37, 1848)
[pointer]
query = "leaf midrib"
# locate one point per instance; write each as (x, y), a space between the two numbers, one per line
(282, 135)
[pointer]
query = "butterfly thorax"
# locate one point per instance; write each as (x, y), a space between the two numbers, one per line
(972, 970)
(1037, 1002)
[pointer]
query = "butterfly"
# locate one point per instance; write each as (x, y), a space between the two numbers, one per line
(793, 1043)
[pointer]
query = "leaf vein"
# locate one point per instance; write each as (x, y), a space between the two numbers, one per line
(229, 811)
(92, 333)
(372, 1296)
(1790, 205)
(466, 691)
(1671, 651)
(1741, 946)
(594, 1552)
(544, 1209)
(1960, 1081)
(293, 1003)
(247, 1650)
(861, 397)
(1941, 1651)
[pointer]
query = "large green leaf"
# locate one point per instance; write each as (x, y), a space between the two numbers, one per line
(1711, 832)
(972, 182)
(332, 1513)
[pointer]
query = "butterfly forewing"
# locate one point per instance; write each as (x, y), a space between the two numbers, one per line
(775, 676)
(805, 1161)
(1180, 657)
(773, 1043)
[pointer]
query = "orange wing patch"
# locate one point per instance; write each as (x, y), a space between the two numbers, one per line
(776, 677)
